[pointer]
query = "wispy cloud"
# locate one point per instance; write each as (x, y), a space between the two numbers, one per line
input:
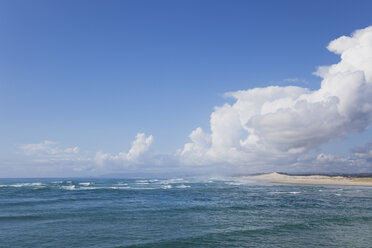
(49, 149)
(295, 80)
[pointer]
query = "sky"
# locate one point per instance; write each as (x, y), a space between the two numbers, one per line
(91, 88)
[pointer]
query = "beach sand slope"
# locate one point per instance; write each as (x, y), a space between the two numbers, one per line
(314, 179)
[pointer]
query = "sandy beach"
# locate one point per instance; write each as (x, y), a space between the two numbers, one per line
(314, 179)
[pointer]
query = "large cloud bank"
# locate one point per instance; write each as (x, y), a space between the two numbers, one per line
(278, 124)
(271, 128)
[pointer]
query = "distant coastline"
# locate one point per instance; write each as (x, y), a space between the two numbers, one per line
(313, 179)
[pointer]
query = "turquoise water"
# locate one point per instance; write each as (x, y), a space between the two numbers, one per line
(181, 213)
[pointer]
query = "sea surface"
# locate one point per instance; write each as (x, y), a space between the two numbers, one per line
(181, 212)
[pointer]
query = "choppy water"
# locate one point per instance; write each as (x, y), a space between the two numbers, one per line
(181, 213)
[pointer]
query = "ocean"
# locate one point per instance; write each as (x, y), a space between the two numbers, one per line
(181, 212)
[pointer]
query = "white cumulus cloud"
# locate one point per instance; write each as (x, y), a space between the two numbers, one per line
(136, 154)
(279, 124)
(265, 129)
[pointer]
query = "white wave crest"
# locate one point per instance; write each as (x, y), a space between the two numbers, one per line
(166, 186)
(119, 187)
(69, 187)
(182, 186)
(19, 185)
(122, 184)
(85, 183)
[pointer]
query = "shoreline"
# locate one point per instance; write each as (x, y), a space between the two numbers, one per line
(319, 180)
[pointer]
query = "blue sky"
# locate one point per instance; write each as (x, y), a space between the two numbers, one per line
(93, 74)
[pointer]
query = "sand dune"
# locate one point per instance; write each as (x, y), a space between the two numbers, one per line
(314, 179)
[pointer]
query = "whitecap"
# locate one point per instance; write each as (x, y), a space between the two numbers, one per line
(69, 187)
(118, 187)
(141, 188)
(85, 183)
(85, 188)
(142, 181)
(122, 184)
(173, 180)
(234, 183)
(183, 186)
(18, 185)
(166, 186)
